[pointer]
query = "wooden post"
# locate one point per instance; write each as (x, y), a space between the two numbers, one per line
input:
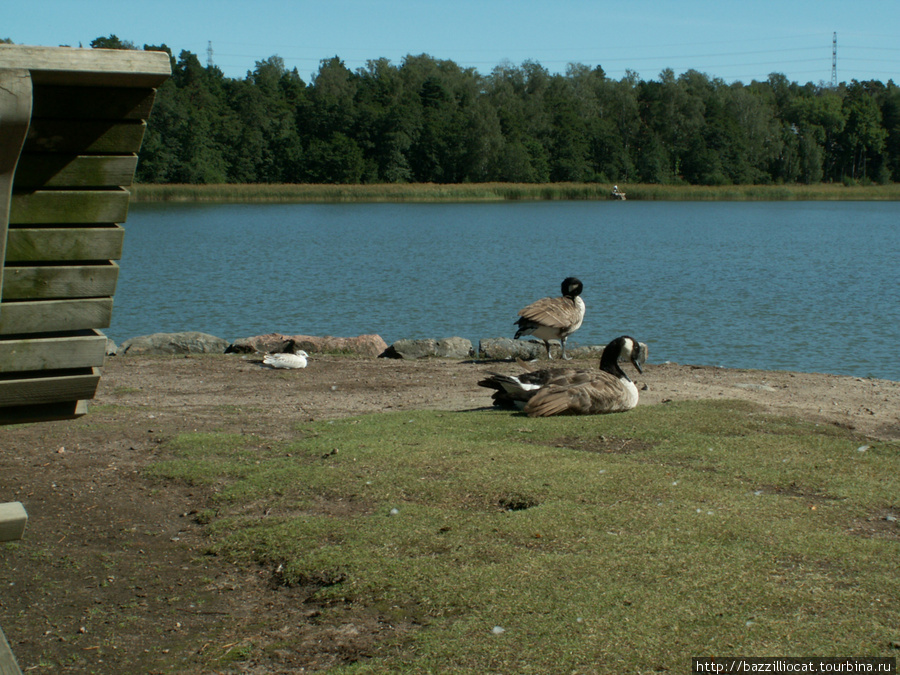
(15, 117)
(8, 665)
(12, 526)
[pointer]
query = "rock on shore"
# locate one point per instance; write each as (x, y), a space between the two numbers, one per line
(192, 342)
(452, 347)
(364, 345)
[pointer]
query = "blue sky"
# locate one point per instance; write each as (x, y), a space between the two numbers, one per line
(728, 39)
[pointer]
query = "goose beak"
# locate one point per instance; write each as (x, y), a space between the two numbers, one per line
(639, 356)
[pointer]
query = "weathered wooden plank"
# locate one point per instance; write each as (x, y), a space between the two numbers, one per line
(45, 412)
(57, 387)
(15, 112)
(31, 244)
(13, 519)
(80, 350)
(82, 136)
(8, 665)
(89, 67)
(69, 206)
(52, 170)
(41, 282)
(100, 103)
(45, 316)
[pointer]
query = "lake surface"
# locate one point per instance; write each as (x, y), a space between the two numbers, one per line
(806, 286)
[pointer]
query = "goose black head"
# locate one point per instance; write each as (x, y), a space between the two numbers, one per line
(624, 348)
(572, 287)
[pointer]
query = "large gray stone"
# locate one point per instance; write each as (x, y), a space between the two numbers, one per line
(507, 348)
(364, 345)
(411, 349)
(452, 347)
(190, 342)
(584, 352)
(272, 343)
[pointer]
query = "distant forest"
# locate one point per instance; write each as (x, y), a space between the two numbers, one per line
(430, 120)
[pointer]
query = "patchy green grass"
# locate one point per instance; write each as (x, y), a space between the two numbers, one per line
(620, 543)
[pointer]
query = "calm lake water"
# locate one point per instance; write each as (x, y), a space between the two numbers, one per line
(806, 286)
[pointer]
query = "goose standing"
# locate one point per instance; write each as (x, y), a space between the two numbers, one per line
(572, 391)
(554, 318)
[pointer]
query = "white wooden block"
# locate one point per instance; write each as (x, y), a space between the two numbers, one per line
(12, 521)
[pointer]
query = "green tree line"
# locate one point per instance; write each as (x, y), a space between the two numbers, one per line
(430, 120)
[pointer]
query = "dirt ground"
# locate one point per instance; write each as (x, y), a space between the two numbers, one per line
(112, 574)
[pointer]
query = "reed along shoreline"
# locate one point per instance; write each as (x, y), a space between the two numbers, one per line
(498, 192)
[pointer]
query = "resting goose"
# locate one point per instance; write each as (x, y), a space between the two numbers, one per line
(288, 359)
(571, 391)
(554, 318)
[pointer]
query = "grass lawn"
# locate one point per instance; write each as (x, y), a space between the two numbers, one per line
(621, 543)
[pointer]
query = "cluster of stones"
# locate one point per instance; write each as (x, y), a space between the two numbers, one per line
(192, 342)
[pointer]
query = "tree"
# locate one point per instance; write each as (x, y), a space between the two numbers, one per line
(337, 159)
(568, 137)
(515, 94)
(267, 146)
(386, 122)
(890, 115)
(864, 136)
(432, 120)
(675, 117)
(446, 147)
(111, 42)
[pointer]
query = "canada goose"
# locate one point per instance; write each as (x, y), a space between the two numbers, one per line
(572, 391)
(293, 358)
(554, 318)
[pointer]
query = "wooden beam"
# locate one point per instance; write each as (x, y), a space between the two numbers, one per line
(45, 412)
(93, 103)
(89, 67)
(80, 136)
(51, 387)
(61, 170)
(30, 244)
(13, 519)
(45, 316)
(46, 282)
(86, 349)
(69, 206)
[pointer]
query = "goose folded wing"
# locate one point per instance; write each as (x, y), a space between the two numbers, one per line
(558, 376)
(583, 393)
(553, 312)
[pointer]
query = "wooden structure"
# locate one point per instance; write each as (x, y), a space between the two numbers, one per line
(13, 519)
(71, 124)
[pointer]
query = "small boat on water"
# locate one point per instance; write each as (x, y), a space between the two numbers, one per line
(616, 194)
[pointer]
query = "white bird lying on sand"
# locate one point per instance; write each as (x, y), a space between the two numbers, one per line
(297, 360)
(287, 359)
(571, 391)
